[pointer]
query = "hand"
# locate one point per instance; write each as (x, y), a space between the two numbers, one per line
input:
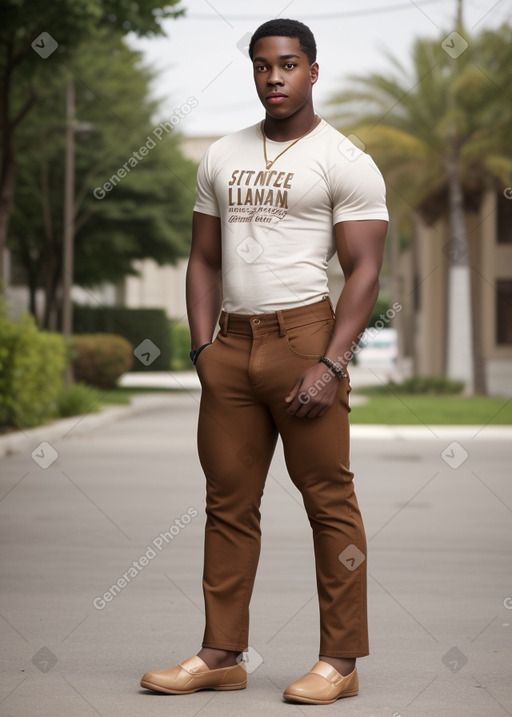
(313, 393)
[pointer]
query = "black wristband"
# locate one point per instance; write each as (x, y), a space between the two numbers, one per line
(194, 354)
(337, 370)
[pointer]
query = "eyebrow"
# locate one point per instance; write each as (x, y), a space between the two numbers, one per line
(282, 57)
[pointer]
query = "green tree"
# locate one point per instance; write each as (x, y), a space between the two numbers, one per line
(441, 135)
(24, 73)
(147, 212)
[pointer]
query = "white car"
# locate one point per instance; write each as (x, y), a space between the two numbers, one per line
(378, 348)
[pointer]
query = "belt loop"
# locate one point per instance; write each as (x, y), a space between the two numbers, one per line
(280, 319)
(331, 306)
(224, 320)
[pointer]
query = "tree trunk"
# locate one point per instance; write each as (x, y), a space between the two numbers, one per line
(8, 166)
(52, 276)
(32, 292)
(397, 322)
(460, 358)
(415, 222)
(8, 173)
(480, 379)
(460, 339)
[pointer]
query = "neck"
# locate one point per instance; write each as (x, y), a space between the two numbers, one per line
(282, 130)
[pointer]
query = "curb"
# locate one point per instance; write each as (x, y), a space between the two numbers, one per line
(30, 438)
(430, 433)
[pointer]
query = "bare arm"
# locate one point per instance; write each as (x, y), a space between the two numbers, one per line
(204, 282)
(360, 247)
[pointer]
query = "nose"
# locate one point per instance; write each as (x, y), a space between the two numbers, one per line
(274, 77)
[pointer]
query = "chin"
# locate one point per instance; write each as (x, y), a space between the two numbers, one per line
(279, 114)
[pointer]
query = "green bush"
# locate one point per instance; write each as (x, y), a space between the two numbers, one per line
(433, 385)
(32, 363)
(136, 325)
(77, 399)
(180, 342)
(437, 385)
(100, 359)
(381, 306)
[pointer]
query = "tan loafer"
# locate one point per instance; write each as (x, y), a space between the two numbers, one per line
(322, 685)
(193, 674)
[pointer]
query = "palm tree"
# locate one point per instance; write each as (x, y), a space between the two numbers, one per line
(441, 135)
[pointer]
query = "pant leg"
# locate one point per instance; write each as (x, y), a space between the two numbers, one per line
(317, 458)
(236, 441)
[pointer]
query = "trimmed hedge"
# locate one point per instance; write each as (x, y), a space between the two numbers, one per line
(100, 359)
(135, 325)
(180, 344)
(32, 364)
(77, 399)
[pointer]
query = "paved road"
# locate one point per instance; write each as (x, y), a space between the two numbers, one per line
(128, 493)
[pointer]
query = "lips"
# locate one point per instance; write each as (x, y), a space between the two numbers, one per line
(276, 98)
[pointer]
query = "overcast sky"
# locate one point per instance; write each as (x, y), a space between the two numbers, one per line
(203, 54)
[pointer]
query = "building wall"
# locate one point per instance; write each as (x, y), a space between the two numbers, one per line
(161, 287)
(430, 263)
(496, 264)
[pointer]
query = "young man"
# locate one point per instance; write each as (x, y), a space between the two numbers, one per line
(274, 202)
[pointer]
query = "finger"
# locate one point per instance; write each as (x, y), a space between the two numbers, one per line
(290, 397)
(300, 406)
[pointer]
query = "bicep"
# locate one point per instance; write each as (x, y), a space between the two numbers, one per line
(360, 242)
(206, 239)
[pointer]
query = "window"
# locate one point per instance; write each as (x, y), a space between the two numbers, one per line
(504, 312)
(504, 217)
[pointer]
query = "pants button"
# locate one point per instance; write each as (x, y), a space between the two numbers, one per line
(256, 322)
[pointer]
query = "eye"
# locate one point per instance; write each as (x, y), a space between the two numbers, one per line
(290, 65)
(260, 68)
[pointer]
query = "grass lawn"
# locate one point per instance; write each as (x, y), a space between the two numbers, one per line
(399, 409)
(414, 409)
(121, 395)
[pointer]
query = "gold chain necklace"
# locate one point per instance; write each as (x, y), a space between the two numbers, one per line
(269, 163)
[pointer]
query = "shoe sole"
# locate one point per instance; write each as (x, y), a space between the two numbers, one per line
(311, 701)
(222, 688)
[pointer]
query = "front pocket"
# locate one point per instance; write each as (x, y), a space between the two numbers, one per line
(310, 341)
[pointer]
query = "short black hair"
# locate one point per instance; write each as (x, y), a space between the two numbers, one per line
(287, 28)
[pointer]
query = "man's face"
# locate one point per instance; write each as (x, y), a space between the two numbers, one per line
(283, 76)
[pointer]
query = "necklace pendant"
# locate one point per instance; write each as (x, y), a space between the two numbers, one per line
(269, 164)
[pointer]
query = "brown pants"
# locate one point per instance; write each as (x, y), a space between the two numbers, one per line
(245, 375)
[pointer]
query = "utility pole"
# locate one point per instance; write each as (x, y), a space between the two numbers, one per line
(459, 13)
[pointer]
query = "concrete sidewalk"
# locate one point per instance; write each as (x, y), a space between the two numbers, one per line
(123, 495)
(188, 380)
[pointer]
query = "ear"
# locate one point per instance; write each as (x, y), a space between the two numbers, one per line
(313, 72)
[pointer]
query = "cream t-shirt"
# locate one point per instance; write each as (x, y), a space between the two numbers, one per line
(277, 224)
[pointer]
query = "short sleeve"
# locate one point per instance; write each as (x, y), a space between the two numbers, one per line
(206, 201)
(359, 191)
